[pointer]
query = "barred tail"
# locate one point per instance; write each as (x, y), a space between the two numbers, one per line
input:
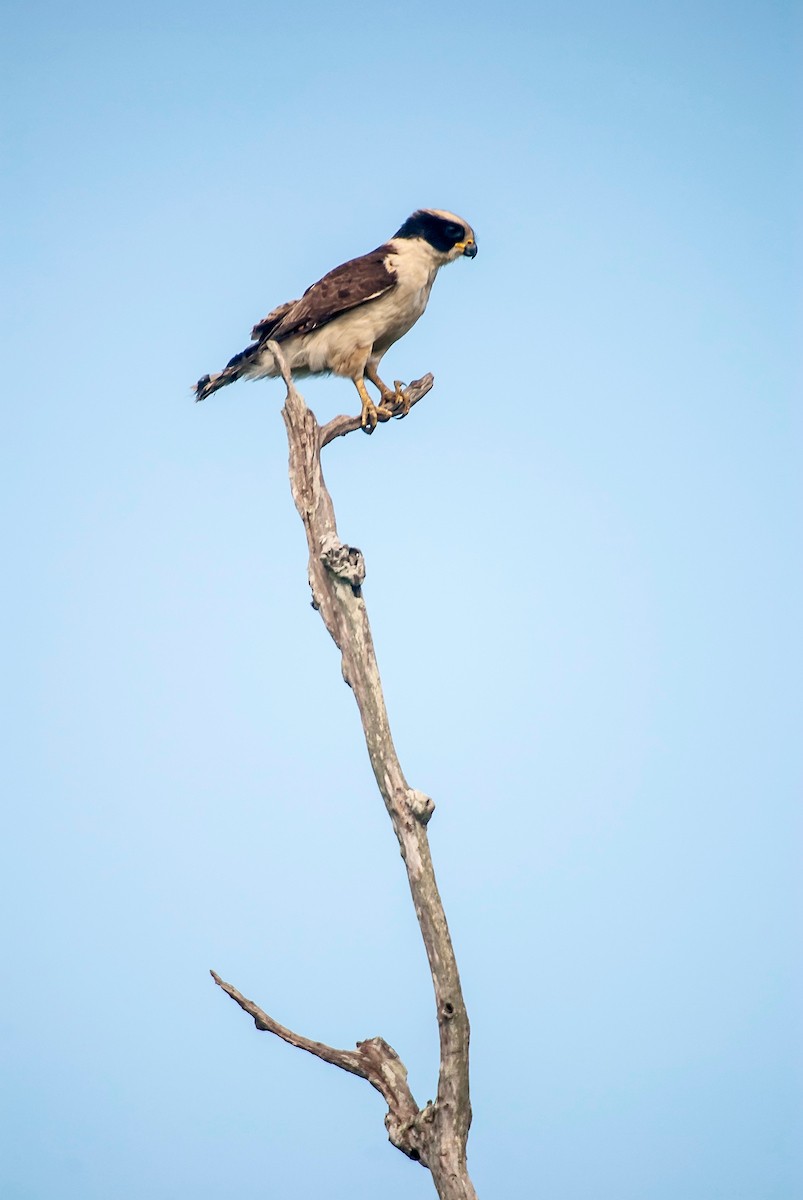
(235, 369)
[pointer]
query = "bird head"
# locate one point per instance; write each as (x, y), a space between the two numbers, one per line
(449, 235)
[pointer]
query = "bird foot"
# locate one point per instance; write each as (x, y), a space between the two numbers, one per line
(368, 417)
(372, 414)
(403, 399)
(392, 403)
(398, 402)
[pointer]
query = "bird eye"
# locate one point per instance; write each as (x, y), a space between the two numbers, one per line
(455, 231)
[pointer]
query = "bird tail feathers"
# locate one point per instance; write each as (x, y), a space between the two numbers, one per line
(239, 366)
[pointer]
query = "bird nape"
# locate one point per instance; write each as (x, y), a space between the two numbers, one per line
(345, 323)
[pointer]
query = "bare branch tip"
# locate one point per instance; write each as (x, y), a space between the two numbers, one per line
(281, 362)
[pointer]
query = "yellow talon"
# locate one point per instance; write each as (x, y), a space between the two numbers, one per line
(394, 403)
(401, 398)
(368, 415)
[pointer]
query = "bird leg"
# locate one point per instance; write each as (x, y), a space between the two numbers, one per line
(398, 401)
(370, 413)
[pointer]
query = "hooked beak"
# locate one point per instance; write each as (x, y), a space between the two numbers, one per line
(470, 249)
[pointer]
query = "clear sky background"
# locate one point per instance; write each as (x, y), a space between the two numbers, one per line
(582, 557)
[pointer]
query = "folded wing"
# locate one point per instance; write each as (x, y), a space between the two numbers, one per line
(346, 287)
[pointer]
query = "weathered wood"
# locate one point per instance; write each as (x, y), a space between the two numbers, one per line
(436, 1135)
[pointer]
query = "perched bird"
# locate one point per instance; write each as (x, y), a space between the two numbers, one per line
(346, 321)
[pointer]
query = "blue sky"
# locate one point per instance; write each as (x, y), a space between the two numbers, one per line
(583, 579)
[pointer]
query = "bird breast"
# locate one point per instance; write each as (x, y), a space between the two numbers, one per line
(370, 329)
(399, 310)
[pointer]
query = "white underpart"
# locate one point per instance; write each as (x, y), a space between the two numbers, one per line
(346, 344)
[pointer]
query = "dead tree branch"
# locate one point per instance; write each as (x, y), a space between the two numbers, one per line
(436, 1135)
(373, 1060)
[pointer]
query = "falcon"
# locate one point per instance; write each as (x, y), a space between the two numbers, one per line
(347, 321)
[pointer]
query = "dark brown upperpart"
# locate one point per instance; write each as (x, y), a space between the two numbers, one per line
(346, 287)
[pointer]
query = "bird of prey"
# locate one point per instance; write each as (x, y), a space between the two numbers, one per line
(344, 323)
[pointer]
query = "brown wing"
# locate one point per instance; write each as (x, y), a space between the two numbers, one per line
(348, 286)
(265, 327)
